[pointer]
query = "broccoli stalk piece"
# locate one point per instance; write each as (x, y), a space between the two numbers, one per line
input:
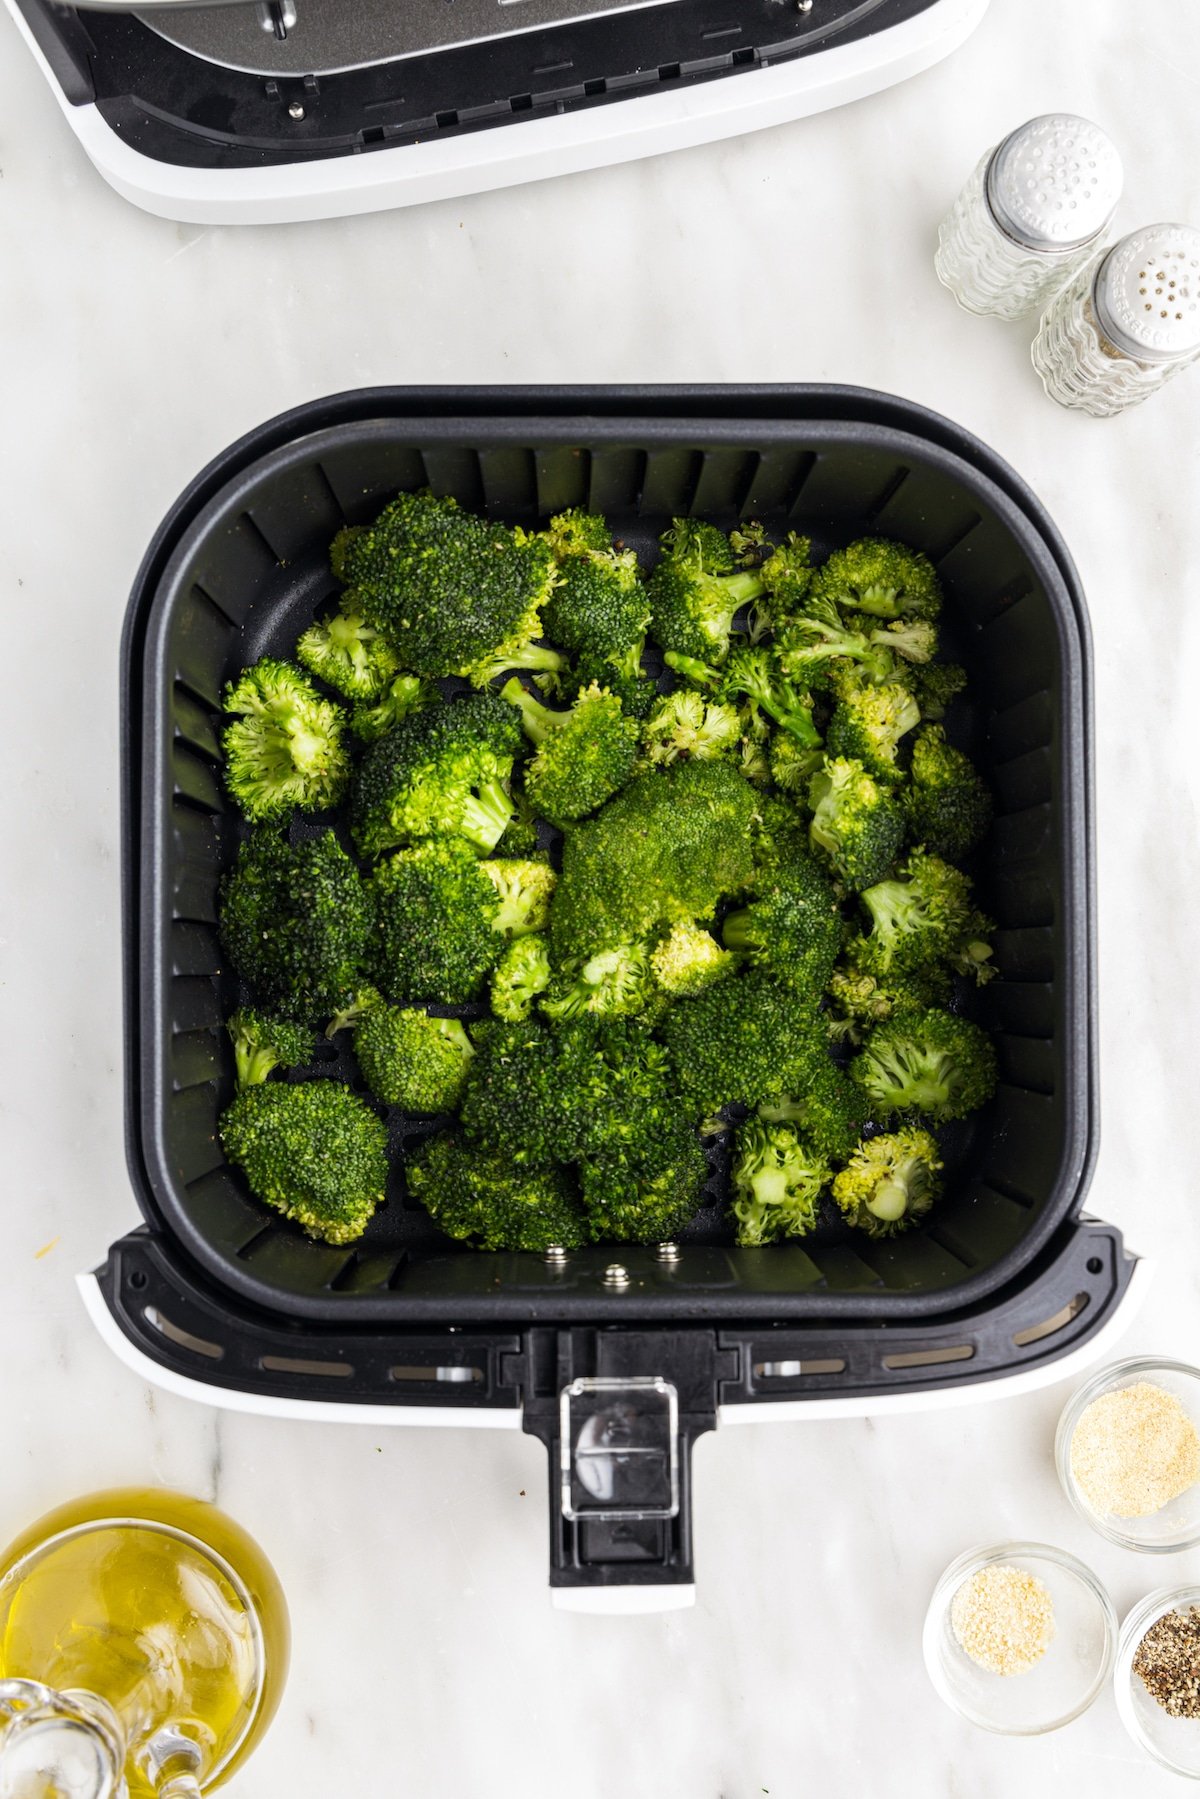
(452, 593)
(295, 922)
(647, 1193)
(923, 916)
(312, 1150)
(611, 984)
(348, 653)
(402, 696)
(441, 773)
(694, 670)
(695, 591)
(884, 579)
(482, 1197)
(686, 724)
(690, 959)
(856, 823)
(522, 972)
(830, 1109)
(283, 746)
(584, 755)
(890, 1182)
(411, 1059)
(754, 673)
(792, 928)
(261, 1044)
(949, 808)
(930, 1062)
(868, 723)
(777, 1182)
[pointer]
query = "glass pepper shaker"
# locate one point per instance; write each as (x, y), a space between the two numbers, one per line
(1035, 208)
(1127, 323)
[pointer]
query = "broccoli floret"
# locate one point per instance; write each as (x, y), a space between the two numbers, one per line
(524, 889)
(817, 641)
(792, 927)
(520, 836)
(890, 1182)
(929, 1062)
(867, 724)
(348, 653)
(576, 532)
(440, 773)
(261, 1044)
(295, 921)
(412, 1060)
(856, 823)
(858, 1000)
(949, 808)
(645, 1196)
(687, 724)
(777, 1182)
(480, 1196)
(791, 765)
(690, 959)
(936, 685)
(404, 695)
(754, 672)
(924, 915)
(451, 592)
(669, 847)
(830, 1109)
(522, 972)
(283, 748)
(695, 591)
(436, 910)
(914, 639)
(787, 576)
(884, 579)
(583, 755)
(694, 671)
(614, 983)
(780, 840)
(599, 605)
(314, 1151)
(742, 1039)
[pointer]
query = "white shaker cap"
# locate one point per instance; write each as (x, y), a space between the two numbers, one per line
(1054, 182)
(1147, 293)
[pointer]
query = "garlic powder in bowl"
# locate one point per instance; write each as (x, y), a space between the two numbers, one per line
(1128, 1454)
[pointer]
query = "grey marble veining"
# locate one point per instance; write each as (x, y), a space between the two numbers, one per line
(415, 1560)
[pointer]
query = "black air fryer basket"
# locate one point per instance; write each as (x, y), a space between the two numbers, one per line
(618, 1369)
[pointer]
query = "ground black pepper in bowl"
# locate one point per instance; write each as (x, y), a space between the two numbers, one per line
(1167, 1660)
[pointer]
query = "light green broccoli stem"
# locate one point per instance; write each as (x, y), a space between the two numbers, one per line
(537, 720)
(691, 668)
(487, 815)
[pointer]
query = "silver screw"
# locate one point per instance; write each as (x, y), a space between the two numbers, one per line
(615, 1275)
(667, 1252)
(804, 5)
(296, 110)
(555, 1256)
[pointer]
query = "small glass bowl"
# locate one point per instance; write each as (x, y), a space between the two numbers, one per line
(1173, 1742)
(1177, 1524)
(1070, 1674)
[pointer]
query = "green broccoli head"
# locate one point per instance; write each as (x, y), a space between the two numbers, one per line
(614, 983)
(583, 755)
(483, 1198)
(912, 639)
(817, 642)
(884, 579)
(777, 1183)
(856, 823)
(313, 1150)
(599, 605)
(667, 848)
(406, 694)
(439, 773)
(742, 1039)
(949, 808)
(576, 533)
(787, 575)
(295, 921)
(755, 673)
(924, 915)
(791, 766)
(348, 653)
(448, 590)
(930, 1062)
(646, 1194)
(936, 685)
(868, 723)
(696, 590)
(283, 746)
(412, 1060)
(859, 1000)
(792, 927)
(522, 972)
(780, 840)
(436, 911)
(524, 886)
(890, 1182)
(830, 1109)
(261, 1044)
(689, 959)
(686, 724)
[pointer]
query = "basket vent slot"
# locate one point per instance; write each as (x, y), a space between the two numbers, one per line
(286, 1364)
(450, 1376)
(930, 1358)
(793, 1370)
(175, 1333)
(1057, 1321)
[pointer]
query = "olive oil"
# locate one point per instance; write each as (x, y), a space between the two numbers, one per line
(162, 1607)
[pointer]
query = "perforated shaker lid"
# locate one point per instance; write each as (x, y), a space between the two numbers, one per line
(1054, 182)
(1147, 293)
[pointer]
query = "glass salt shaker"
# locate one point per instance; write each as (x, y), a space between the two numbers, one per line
(1127, 323)
(1034, 209)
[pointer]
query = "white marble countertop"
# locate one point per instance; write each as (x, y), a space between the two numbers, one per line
(415, 1560)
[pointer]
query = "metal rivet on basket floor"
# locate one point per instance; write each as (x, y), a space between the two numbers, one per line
(296, 110)
(667, 1252)
(615, 1275)
(554, 1255)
